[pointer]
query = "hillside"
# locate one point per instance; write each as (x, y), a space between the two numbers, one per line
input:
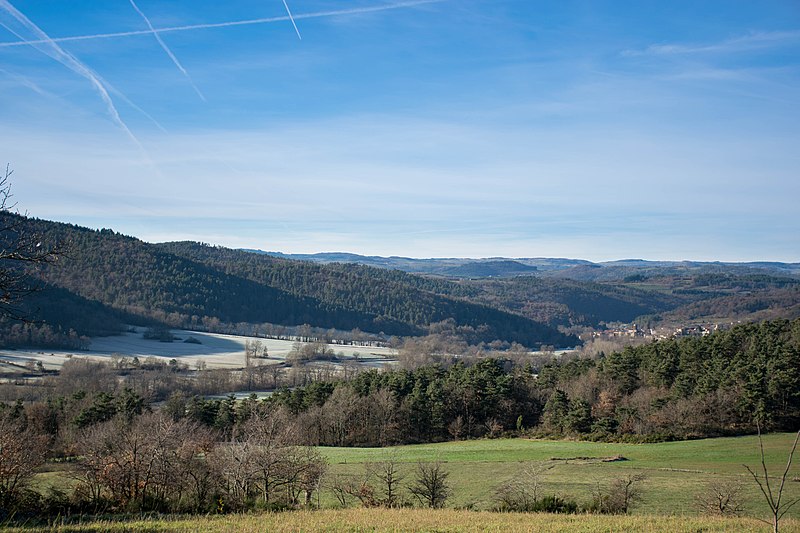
(567, 292)
(569, 302)
(195, 286)
(491, 269)
(386, 294)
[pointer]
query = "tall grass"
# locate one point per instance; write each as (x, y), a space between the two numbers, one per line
(446, 520)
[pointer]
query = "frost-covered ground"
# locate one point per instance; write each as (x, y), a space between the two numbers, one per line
(215, 350)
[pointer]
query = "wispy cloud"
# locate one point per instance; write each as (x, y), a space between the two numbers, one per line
(751, 41)
(22, 80)
(48, 47)
(247, 22)
(167, 50)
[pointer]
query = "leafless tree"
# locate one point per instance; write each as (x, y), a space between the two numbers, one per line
(239, 468)
(20, 249)
(340, 486)
(389, 477)
(360, 488)
(430, 485)
(620, 495)
(195, 473)
(301, 473)
(143, 463)
(720, 497)
(521, 492)
(21, 451)
(774, 495)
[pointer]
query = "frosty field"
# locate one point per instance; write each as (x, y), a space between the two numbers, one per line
(215, 350)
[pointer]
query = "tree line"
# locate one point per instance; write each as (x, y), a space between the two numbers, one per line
(674, 389)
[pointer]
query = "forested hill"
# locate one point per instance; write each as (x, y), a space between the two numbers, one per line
(387, 294)
(192, 285)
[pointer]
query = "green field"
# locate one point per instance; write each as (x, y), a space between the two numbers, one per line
(675, 471)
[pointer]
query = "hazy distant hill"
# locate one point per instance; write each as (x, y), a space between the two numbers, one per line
(438, 266)
(577, 269)
(619, 270)
(490, 269)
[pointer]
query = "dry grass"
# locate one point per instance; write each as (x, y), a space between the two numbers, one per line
(447, 520)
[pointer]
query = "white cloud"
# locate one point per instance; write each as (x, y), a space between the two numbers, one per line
(751, 41)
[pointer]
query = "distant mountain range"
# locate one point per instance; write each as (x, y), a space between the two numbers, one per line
(577, 269)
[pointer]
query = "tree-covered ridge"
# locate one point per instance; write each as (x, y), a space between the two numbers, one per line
(391, 295)
(568, 292)
(196, 286)
(569, 302)
(696, 387)
(132, 276)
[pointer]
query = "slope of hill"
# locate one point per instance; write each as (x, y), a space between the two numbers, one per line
(393, 294)
(568, 302)
(576, 292)
(490, 269)
(438, 266)
(191, 285)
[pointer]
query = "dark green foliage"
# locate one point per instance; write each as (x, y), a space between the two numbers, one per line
(545, 504)
(105, 406)
(554, 504)
(554, 416)
(569, 302)
(392, 296)
(428, 401)
(696, 387)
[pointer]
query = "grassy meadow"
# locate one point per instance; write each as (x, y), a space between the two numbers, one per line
(675, 473)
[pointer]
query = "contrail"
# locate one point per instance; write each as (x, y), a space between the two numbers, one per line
(168, 51)
(22, 79)
(318, 14)
(71, 62)
(288, 12)
(107, 85)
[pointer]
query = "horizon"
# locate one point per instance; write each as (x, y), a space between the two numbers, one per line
(420, 129)
(403, 256)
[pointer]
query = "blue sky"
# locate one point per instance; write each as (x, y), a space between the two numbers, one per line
(472, 128)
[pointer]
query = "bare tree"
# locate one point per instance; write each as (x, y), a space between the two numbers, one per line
(357, 487)
(389, 477)
(430, 484)
(196, 474)
(621, 494)
(720, 497)
(301, 473)
(240, 470)
(340, 486)
(21, 451)
(521, 492)
(20, 249)
(774, 495)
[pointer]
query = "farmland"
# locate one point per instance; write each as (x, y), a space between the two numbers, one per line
(213, 349)
(675, 472)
